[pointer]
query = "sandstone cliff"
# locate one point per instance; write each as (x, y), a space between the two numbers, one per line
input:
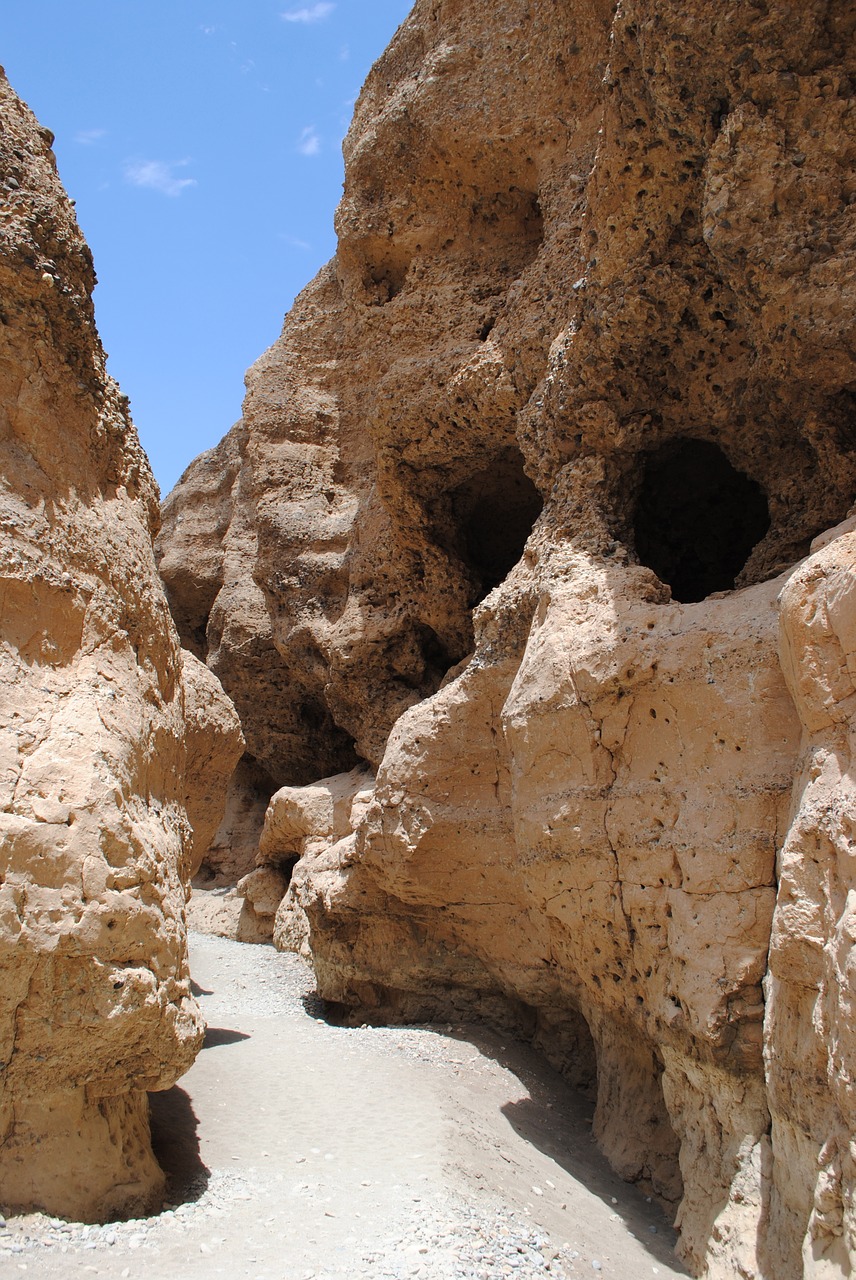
(519, 493)
(112, 743)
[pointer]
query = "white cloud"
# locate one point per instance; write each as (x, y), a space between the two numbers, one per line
(157, 176)
(295, 243)
(89, 137)
(314, 13)
(310, 143)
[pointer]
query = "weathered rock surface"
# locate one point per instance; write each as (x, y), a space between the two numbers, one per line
(307, 829)
(522, 485)
(206, 553)
(810, 1041)
(111, 742)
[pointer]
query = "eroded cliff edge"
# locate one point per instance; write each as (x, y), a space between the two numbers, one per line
(588, 336)
(115, 745)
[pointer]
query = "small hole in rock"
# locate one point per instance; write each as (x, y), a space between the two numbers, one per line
(383, 282)
(718, 114)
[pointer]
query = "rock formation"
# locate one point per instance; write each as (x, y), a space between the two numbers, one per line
(112, 742)
(525, 498)
(206, 553)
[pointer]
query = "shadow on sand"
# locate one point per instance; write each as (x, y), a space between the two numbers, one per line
(555, 1118)
(175, 1142)
(215, 1036)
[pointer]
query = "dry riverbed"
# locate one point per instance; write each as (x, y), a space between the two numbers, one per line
(303, 1151)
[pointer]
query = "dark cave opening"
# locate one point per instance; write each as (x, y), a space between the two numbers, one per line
(285, 865)
(697, 518)
(492, 515)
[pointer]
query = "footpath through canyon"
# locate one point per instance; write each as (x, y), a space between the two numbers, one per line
(302, 1151)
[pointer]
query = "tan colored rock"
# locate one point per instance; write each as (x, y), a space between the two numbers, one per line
(245, 912)
(215, 911)
(234, 847)
(300, 824)
(110, 745)
(810, 1035)
(591, 831)
(262, 891)
(299, 818)
(214, 742)
(226, 913)
(206, 553)
(527, 471)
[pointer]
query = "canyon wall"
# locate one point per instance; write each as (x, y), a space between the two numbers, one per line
(539, 513)
(115, 746)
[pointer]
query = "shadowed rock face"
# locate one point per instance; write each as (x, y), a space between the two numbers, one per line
(112, 742)
(527, 475)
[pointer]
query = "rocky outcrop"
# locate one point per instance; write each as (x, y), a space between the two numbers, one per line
(810, 1048)
(206, 555)
(306, 830)
(524, 484)
(111, 743)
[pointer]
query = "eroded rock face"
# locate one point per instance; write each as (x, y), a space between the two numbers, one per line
(111, 742)
(303, 831)
(206, 552)
(809, 1042)
(529, 471)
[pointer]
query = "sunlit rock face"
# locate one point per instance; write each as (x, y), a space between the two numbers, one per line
(527, 488)
(112, 742)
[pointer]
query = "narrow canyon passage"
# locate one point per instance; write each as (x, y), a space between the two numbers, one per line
(303, 1151)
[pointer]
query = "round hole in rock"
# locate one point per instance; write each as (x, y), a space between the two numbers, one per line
(697, 518)
(492, 515)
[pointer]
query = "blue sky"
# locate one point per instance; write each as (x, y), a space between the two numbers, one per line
(201, 140)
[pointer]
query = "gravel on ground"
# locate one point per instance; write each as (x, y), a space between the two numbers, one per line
(298, 1150)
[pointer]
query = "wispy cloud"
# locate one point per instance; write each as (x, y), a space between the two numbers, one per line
(295, 242)
(310, 143)
(157, 175)
(89, 137)
(312, 13)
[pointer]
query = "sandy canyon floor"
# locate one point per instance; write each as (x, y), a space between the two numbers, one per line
(303, 1151)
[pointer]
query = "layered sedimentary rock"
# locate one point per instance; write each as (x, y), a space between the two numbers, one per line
(115, 747)
(524, 483)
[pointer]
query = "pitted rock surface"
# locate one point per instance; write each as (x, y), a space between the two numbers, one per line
(526, 493)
